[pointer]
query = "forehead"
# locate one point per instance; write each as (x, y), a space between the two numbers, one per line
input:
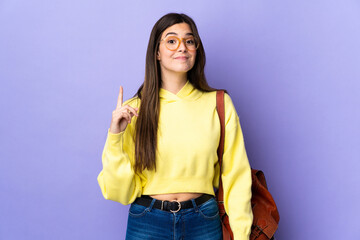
(180, 29)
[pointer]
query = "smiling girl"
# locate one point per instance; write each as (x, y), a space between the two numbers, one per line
(160, 154)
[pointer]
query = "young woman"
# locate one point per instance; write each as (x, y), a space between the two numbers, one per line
(160, 155)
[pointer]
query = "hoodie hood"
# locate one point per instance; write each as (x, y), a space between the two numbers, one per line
(188, 93)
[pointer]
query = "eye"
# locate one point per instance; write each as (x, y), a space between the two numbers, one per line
(190, 41)
(172, 41)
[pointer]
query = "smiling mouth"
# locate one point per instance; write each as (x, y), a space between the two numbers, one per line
(181, 58)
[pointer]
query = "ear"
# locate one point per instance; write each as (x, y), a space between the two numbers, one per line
(158, 55)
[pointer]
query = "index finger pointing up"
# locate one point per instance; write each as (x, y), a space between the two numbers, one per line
(120, 98)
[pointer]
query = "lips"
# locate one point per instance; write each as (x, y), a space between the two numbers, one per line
(181, 58)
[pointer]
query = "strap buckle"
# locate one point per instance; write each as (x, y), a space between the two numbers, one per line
(178, 204)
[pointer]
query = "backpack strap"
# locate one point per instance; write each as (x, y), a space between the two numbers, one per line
(221, 112)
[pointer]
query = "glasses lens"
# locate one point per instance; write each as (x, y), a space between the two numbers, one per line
(171, 43)
(191, 43)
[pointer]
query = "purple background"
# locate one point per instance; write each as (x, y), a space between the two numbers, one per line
(292, 70)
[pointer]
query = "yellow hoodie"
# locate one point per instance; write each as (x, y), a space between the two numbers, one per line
(186, 159)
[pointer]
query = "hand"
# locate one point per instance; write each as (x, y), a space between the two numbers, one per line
(122, 115)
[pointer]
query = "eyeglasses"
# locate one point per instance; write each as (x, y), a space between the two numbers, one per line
(173, 43)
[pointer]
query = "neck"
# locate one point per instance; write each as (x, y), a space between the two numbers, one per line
(173, 82)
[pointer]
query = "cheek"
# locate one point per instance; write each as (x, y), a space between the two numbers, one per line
(166, 60)
(165, 54)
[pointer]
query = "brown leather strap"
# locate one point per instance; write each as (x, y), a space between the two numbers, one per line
(221, 112)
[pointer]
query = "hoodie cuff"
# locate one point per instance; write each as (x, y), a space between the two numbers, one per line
(115, 137)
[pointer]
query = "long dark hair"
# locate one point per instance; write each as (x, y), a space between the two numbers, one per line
(146, 126)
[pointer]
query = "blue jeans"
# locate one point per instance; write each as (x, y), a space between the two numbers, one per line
(200, 222)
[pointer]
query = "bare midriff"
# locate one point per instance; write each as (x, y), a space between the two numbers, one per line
(176, 196)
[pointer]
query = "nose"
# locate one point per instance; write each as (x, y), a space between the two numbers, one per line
(182, 45)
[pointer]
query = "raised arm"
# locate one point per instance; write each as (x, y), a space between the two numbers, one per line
(117, 179)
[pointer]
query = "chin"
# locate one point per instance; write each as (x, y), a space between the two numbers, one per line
(182, 69)
(177, 68)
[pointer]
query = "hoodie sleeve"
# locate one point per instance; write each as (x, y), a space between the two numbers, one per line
(236, 175)
(117, 179)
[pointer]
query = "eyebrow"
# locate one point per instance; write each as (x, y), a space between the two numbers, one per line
(188, 34)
